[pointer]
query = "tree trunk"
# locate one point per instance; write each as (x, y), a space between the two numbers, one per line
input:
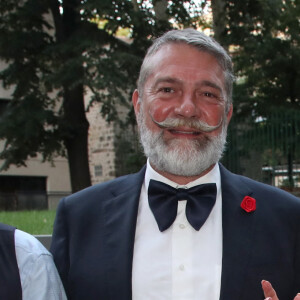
(135, 5)
(219, 20)
(162, 18)
(160, 9)
(75, 125)
(77, 142)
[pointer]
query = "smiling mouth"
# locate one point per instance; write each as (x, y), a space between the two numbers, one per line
(183, 132)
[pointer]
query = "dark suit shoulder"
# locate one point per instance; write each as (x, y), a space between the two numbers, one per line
(270, 198)
(242, 182)
(105, 189)
(267, 190)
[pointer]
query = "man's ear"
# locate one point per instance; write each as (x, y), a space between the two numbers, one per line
(135, 101)
(229, 114)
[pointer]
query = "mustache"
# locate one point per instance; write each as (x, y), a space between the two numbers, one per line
(198, 125)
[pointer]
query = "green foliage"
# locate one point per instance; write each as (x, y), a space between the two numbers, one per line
(29, 124)
(129, 154)
(265, 37)
(33, 221)
(55, 51)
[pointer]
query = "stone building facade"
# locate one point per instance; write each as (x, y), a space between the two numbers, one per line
(42, 184)
(47, 182)
(101, 146)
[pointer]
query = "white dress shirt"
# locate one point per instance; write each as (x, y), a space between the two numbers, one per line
(179, 263)
(39, 277)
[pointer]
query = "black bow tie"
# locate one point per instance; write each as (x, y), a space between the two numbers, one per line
(163, 201)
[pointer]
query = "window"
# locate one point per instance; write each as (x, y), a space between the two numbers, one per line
(23, 192)
(98, 170)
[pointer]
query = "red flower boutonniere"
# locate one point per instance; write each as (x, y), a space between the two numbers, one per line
(248, 204)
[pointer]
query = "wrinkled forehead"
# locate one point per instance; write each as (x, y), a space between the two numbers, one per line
(186, 75)
(186, 64)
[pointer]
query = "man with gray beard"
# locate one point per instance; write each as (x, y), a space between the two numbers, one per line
(184, 227)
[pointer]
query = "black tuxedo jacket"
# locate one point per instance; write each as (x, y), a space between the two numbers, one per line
(94, 233)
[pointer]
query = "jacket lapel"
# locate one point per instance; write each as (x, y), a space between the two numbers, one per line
(238, 228)
(120, 222)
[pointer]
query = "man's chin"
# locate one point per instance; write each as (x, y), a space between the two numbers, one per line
(184, 146)
(181, 168)
(183, 161)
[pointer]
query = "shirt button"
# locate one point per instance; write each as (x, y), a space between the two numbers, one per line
(181, 267)
(181, 226)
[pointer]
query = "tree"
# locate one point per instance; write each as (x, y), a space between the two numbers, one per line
(263, 37)
(219, 19)
(57, 49)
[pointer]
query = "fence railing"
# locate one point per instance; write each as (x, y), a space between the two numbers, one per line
(261, 146)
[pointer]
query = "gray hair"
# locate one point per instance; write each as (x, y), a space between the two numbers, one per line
(201, 42)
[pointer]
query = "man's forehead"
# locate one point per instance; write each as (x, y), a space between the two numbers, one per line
(176, 74)
(183, 57)
(182, 72)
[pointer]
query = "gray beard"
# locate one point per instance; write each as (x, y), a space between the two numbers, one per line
(190, 158)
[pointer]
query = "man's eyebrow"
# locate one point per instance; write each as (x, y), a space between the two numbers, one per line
(166, 80)
(210, 84)
(172, 80)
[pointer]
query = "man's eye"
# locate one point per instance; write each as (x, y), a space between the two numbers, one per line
(210, 95)
(166, 90)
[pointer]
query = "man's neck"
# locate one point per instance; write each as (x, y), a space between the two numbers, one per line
(181, 180)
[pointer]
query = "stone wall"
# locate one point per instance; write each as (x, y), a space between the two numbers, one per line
(101, 146)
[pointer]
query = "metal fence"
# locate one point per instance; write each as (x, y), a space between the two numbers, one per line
(266, 148)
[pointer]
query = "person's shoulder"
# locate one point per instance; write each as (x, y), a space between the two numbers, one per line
(262, 190)
(28, 244)
(245, 183)
(91, 199)
(37, 269)
(113, 187)
(270, 190)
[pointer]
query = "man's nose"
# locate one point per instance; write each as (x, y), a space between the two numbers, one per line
(186, 107)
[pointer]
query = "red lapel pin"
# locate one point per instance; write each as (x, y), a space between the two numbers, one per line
(248, 204)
